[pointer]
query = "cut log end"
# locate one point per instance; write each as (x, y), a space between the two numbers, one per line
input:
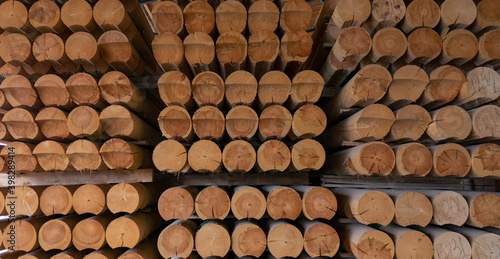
(175, 88)
(285, 240)
(413, 159)
(89, 233)
(90, 198)
(284, 203)
(308, 121)
(203, 241)
(242, 122)
(319, 202)
(83, 89)
(212, 203)
(119, 154)
(248, 240)
(176, 240)
(56, 199)
(231, 16)
(273, 155)
(307, 87)
(411, 123)
(450, 208)
(375, 158)
(295, 16)
(84, 155)
(51, 156)
(485, 160)
(424, 44)
(413, 208)
(54, 234)
(167, 17)
(414, 244)
(263, 15)
(274, 88)
(123, 232)
(239, 156)
(209, 123)
(25, 239)
(354, 43)
(208, 89)
(176, 203)
(372, 244)
(241, 88)
(375, 207)
(175, 123)
(199, 17)
(248, 202)
(421, 13)
(484, 212)
(450, 159)
(448, 239)
(308, 154)
(275, 122)
(28, 197)
(321, 240)
(170, 156)
(450, 122)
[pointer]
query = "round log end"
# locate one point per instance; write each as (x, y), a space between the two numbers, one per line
(285, 240)
(273, 155)
(413, 208)
(89, 233)
(321, 240)
(54, 234)
(414, 244)
(308, 154)
(450, 208)
(248, 239)
(176, 241)
(319, 203)
(208, 89)
(204, 244)
(56, 199)
(199, 17)
(451, 159)
(209, 123)
(308, 121)
(239, 156)
(242, 122)
(284, 203)
(484, 211)
(375, 207)
(174, 88)
(90, 198)
(175, 123)
(170, 156)
(176, 203)
(248, 202)
(275, 121)
(212, 203)
(413, 159)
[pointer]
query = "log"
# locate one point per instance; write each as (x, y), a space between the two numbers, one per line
(484, 120)
(447, 244)
(282, 202)
(25, 237)
(199, 50)
(484, 160)
(479, 89)
(52, 91)
(21, 125)
(456, 14)
(408, 84)
(9, 70)
(421, 13)
(308, 121)
(209, 123)
(3, 211)
(295, 16)
(177, 240)
(112, 15)
(71, 253)
(306, 155)
(205, 156)
(205, 236)
(84, 155)
(353, 44)
(21, 24)
(459, 47)
(450, 159)
(38, 254)
(385, 13)
(366, 242)
(51, 156)
(450, 122)
(145, 249)
(169, 53)
(177, 203)
(295, 49)
(175, 123)
(275, 121)
(388, 44)
(488, 51)
(248, 203)
(81, 48)
(240, 88)
(118, 121)
(284, 239)
(424, 45)
(351, 13)
(83, 90)
(120, 54)
(411, 123)
(83, 121)
(4, 133)
(199, 17)
(482, 241)
(129, 230)
(105, 253)
(445, 84)
(131, 197)
(91, 198)
(320, 239)
(317, 202)
(45, 16)
(335, 72)
(239, 156)
(116, 88)
(410, 243)
(231, 16)
(449, 207)
(208, 89)
(16, 50)
(231, 48)
(21, 154)
(171, 156)
(367, 207)
(77, 16)
(28, 197)
(412, 159)
(242, 122)
(56, 233)
(57, 199)
(411, 208)
(248, 239)
(212, 203)
(366, 87)
(167, 18)
(4, 104)
(119, 154)
(90, 233)
(175, 89)
(49, 47)
(263, 49)
(273, 156)
(274, 88)
(486, 18)
(263, 15)
(19, 92)
(483, 211)
(307, 87)
(372, 123)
